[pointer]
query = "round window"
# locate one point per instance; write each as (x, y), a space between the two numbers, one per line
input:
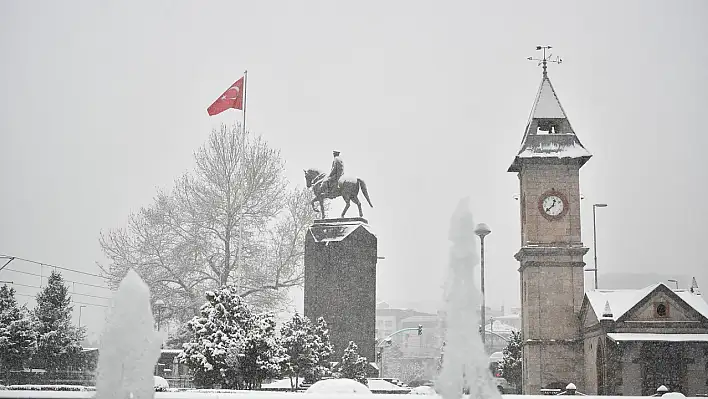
(661, 310)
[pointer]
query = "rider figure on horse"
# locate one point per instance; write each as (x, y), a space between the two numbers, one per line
(331, 181)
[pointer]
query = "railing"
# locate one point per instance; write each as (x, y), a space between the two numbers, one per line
(21, 377)
(181, 382)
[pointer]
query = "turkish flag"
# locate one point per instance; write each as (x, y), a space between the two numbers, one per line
(232, 98)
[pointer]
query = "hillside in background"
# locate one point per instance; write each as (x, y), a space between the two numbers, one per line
(614, 281)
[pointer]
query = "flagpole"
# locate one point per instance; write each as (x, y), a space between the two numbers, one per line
(245, 81)
(240, 227)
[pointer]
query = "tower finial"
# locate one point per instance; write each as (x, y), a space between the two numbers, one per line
(546, 59)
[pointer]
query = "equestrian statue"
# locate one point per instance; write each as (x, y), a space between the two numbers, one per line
(335, 184)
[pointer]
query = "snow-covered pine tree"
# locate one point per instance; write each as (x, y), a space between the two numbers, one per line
(511, 363)
(58, 341)
(262, 353)
(353, 366)
(299, 345)
(324, 350)
(17, 337)
(215, 351)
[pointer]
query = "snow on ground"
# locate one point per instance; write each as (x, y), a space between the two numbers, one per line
(8, 394)
(338, 386)
(383, 386)
(280, 384)
(423, 390)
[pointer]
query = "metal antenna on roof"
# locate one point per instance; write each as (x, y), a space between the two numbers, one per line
(546, 59)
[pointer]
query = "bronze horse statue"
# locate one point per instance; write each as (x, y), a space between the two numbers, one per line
(348, 189)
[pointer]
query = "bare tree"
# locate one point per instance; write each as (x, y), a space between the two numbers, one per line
(232, 219)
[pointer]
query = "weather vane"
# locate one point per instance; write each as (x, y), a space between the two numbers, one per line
(546, 59)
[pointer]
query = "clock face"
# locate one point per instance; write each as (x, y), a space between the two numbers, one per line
(552, 205)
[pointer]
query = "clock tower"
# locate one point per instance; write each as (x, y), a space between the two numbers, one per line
(551, 255)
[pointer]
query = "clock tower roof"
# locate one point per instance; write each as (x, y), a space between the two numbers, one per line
(548, 132)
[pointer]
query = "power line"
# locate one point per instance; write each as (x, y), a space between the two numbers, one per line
(80, 303)
(50, 265)
(47, 277)
(72, 293)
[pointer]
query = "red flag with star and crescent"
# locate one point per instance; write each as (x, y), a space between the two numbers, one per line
(232, 98)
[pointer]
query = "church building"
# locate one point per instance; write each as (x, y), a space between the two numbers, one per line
(620, 342)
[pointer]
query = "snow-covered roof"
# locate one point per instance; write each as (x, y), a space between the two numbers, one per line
(337, 230)
(499, 327)
(420, 318)
(508, 317)
(658, 337)
(496, 357)
(621, 301)
(548, 132)
(553, 146)
(695, 301)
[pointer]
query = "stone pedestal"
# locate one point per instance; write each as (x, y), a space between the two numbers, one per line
(340, 282)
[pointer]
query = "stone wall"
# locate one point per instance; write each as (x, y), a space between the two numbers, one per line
(537, 179)
(552, 277)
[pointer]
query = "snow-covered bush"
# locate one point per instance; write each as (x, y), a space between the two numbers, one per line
(324, 350)
(262, 353)
(300, 348)
(511, 363)
(58, 340)
(18, 340)
(230, 345)
(212, 353)
(161, 384)
(352, 365)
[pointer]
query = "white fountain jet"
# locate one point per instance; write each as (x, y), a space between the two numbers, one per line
(465, 365)
(130, 347)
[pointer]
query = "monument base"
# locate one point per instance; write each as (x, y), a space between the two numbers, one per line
(340, 282)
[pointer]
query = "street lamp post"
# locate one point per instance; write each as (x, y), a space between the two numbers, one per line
(159, 304)
(80, 307)
(594, 237)
(482, 230)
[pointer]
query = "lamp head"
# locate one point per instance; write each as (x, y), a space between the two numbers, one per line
(482, 230)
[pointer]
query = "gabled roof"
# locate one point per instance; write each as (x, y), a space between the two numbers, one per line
(548, 132)
(622, 301)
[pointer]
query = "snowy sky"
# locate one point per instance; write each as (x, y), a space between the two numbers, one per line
(104, 102)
